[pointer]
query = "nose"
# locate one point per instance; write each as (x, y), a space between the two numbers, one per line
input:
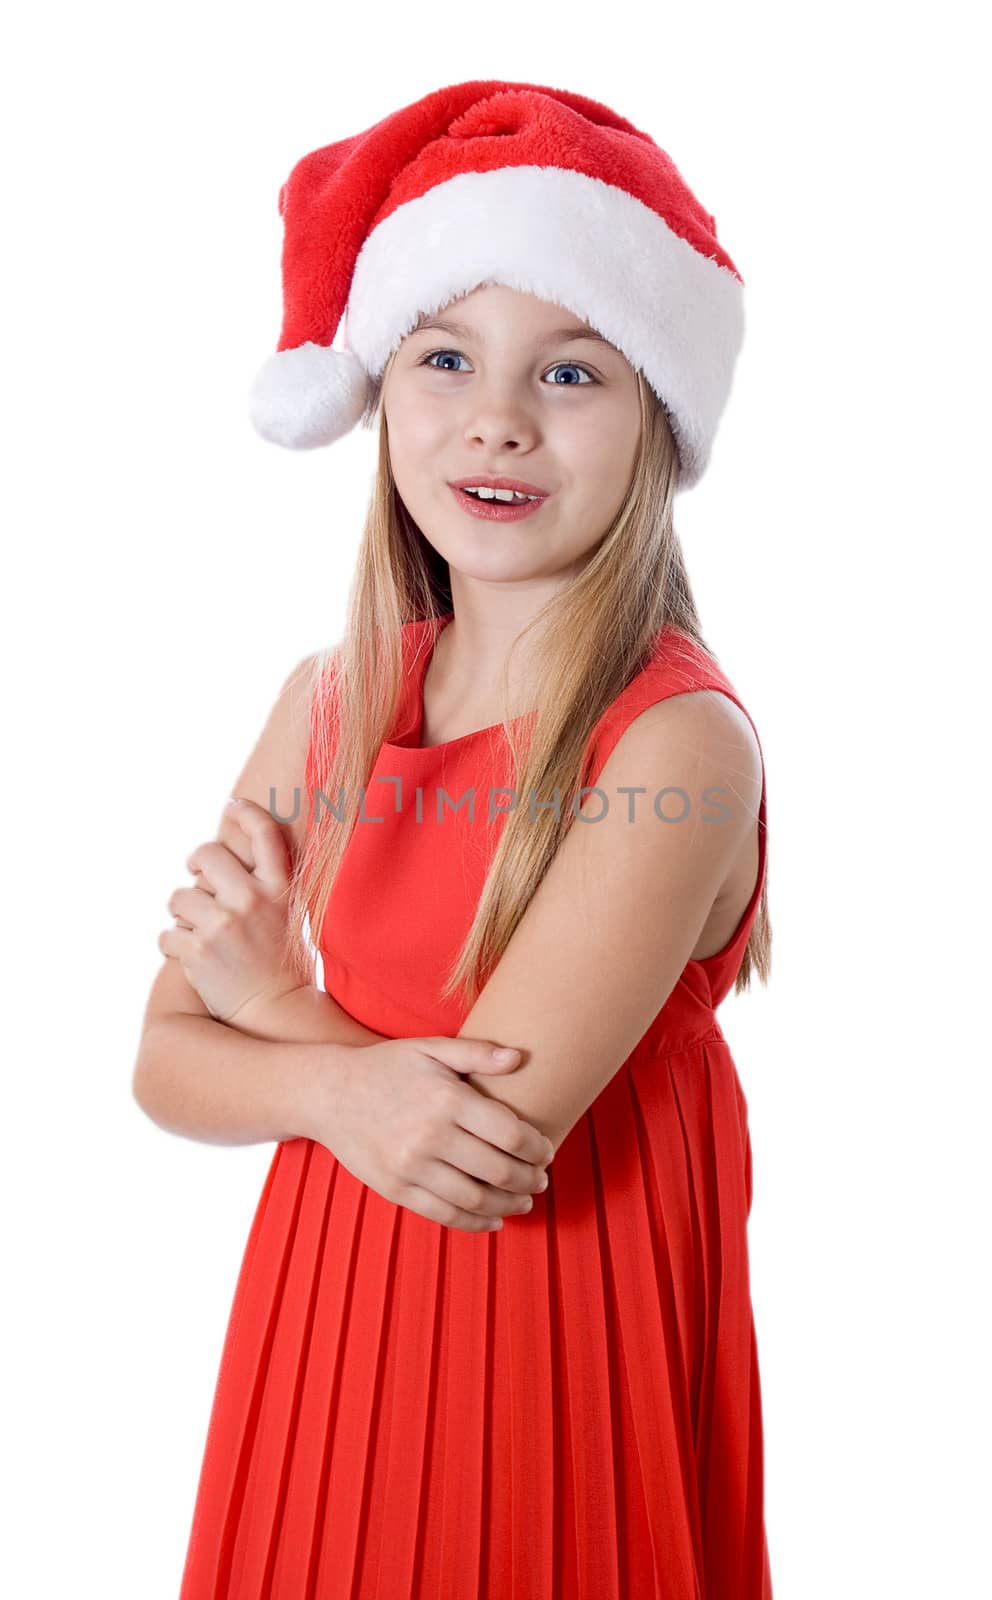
(499, 424)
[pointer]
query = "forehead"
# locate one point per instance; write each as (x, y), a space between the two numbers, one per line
(445, 322)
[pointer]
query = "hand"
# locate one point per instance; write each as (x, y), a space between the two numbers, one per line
(402, 1120)
(231, 927)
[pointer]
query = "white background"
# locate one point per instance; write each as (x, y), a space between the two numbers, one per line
(165, 568)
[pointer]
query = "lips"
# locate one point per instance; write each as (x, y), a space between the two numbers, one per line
(520, 484)
(496, 510)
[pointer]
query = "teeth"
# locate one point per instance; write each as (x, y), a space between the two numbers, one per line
(507, 495)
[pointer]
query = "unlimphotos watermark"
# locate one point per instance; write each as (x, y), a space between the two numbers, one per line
(669, 804)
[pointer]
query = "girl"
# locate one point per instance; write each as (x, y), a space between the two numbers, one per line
(536, 816)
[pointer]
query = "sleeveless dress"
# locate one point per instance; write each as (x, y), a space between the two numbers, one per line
(567, 1407)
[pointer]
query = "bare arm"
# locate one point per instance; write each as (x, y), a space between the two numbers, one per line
(224, 1085)
(305, 1016)
(289, 1069)
(615, 918)
(199, 1078)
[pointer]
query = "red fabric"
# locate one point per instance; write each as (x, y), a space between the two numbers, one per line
(569, 1407)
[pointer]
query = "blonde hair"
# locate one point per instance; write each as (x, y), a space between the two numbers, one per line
(596, 634)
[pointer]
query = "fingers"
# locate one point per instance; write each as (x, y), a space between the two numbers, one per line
(499, 1126)
(273, 862)
(454, 1188)
(231, 834)
(224, 876)
(253, 849)
(190, 907)
(435, 1209)
(481, 1162)
(472, 1055)
(177, 943)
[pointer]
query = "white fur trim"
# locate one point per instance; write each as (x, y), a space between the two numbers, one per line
(674, 313)
(308, 396)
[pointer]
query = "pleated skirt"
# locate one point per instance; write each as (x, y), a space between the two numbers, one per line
(569, 1407)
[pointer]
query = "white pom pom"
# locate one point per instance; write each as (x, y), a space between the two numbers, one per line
(309, 396)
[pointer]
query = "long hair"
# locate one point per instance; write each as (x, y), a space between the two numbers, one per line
(595, 636)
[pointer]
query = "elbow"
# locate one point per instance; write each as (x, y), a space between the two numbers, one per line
(143, 1083)
(140, 1088)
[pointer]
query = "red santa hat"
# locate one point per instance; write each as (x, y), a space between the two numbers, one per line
(490, 182)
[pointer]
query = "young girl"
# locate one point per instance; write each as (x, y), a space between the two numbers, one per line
(536, 818)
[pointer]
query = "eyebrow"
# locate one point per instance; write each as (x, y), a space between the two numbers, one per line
(558, 336)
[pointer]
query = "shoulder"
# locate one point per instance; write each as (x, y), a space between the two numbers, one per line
(693, 755)
(291, 714)
(704, 722)
(274, 775)
(680, 700)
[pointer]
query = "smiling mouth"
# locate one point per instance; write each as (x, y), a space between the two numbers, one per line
(494, 510)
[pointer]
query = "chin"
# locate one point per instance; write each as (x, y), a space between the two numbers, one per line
(490, 567)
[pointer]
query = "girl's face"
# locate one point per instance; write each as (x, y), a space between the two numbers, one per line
(511, 392)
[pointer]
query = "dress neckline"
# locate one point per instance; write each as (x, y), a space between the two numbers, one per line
(432, 628)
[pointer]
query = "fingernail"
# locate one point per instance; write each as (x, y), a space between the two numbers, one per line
(543, 1184)
(504, 1054)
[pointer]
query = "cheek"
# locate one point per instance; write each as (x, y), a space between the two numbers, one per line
(600, 459)
(415, 430)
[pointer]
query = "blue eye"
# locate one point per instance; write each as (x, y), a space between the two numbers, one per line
(428, 360)
(575, 368)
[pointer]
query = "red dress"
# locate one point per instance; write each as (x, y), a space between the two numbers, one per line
(568, 1407)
